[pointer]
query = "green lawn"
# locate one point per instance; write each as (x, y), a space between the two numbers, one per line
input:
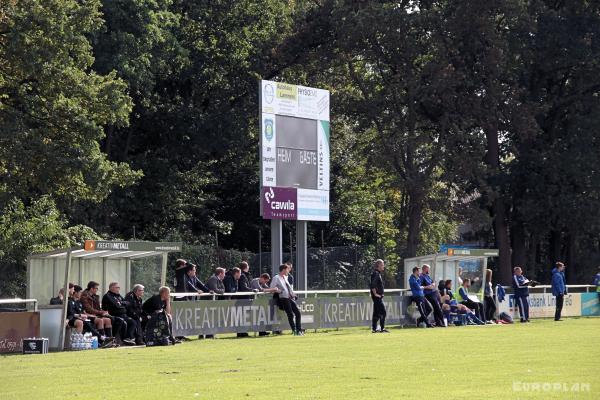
(476, 361)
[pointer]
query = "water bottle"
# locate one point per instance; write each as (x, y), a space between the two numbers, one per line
(94, 342)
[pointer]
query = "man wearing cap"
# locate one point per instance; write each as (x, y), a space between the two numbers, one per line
(377, 290)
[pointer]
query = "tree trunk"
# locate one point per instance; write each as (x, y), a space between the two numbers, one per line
(517, 236)
(498, 209)
(415, 216)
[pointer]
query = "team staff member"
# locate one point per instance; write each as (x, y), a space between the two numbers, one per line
(432, 295)
(115, 304)
(520, 286)
(377, 289)
(559, 288)
(463, 295)
(418, 296)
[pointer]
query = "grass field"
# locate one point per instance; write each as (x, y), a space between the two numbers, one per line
(488, 362)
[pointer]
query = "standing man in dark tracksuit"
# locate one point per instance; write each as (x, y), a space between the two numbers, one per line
(520, 286)
(418, 296)
(376, 287)
(432, 296)
(559, 288)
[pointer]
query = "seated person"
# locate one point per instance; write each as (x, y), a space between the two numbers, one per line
(463, 297)
(79, 320)
(58, 300)
(135, 312)
(451, 306)
(159, 330)
(115, 304)
(93, 309)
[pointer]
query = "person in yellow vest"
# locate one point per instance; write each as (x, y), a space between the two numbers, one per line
(463, 297)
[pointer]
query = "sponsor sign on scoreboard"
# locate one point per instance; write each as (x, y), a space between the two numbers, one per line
(294, 151)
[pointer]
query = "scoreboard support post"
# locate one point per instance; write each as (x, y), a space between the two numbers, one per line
(276, 245)
(301, 255)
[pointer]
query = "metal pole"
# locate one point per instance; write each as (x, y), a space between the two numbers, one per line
(276, 248)
(302, 255)
(291, 248)
(163, 269)
(376, 236)
(259, 251)
(61, 340)
(323, 258)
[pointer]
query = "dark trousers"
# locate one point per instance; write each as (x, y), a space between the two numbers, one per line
(437, 311)
(125, 326)
(559, 305)
(490, 308)
(476, 307)
(420, 302)
(291, 309)
(523, 304)
(379, 313)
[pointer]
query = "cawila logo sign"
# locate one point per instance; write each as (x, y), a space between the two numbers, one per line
(280, 203)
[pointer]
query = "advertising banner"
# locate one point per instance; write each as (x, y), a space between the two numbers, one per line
(262, 314)
(543, 305)
(590, 305)
(16, 326)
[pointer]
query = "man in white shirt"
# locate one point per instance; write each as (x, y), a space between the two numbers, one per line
(286, 299)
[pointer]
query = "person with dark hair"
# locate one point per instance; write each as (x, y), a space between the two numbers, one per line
(290, 277)
(559, 288)
(181, 267)
(432, 296)
(286, 300)
(261, 284)
(133, 301)
(61, 295)
(231, 280)
(159, 330)
(488, 297)
(463, 297)
(418, 296)
(377, 289)
(245, 278)
(192, 283)
(450, 305)
(115, 304)
(80, 321)
(91, 304)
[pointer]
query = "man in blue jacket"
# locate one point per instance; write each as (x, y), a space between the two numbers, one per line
(520, 286)
(418, 296)
(559, 288)
(432, 295)
(597, 283)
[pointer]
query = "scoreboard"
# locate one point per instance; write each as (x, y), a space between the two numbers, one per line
(294, 152)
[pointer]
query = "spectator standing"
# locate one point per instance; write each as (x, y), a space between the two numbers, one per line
(377, 293)
(559, 288)
(418, 296)
(286, 300)
(215, 282)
